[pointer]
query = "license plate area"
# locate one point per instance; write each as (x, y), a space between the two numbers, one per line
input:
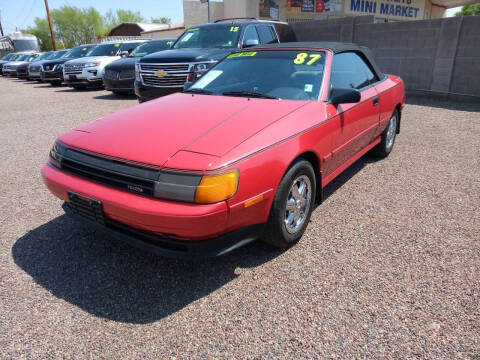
(72, 77)
(86, 206)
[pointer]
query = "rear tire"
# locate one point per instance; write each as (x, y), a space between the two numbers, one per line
(292, 206)
(384, 148)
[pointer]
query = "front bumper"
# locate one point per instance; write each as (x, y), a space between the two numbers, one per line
(167, 227)
(22, 73)
(174, 248)
(90, 76)
(145, 92)
(119, 85)
(10, 73)
(51, 75)
(34, 75)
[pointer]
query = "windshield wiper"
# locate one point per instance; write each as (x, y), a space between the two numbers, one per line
(252, 94)
(199, 91)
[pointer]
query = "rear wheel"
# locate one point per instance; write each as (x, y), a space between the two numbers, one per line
(385, 146)
(292, 206)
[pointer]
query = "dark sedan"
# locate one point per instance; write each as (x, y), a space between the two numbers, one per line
(119, 76)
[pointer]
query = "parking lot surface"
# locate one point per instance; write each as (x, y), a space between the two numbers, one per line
(389, 266)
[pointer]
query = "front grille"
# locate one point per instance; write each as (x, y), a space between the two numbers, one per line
(165, 81)
(127, 74)
(50, 75)
(72, 69)
(165, 67)
(22, 71)
(120, 175)
(111, 74)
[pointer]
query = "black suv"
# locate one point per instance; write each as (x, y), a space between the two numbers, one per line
(198, 49)
(52, 70)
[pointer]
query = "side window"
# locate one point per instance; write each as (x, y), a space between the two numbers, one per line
(285, 33)
(347, 72)
(363, 65)
(267, 36)
(250, 35)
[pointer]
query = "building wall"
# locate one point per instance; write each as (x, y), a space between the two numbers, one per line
(195, 13)
(171, 33)
(438, 55)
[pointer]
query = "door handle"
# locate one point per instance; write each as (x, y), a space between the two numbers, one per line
(375, 101)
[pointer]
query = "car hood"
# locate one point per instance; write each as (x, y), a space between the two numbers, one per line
(155, 131)
(14, 63)
(92, 59)
(123, 63)
(186, 55)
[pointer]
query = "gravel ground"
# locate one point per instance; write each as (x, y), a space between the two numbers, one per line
(389, 266)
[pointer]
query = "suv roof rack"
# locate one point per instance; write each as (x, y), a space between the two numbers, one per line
(236, 18)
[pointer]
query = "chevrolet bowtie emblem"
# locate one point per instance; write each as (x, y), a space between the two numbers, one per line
(160, 73)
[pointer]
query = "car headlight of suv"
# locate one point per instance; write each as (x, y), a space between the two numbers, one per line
(196, 188)
(137, 72)
(92, 64)
(56, 154)
(58, 67)
(201, 68)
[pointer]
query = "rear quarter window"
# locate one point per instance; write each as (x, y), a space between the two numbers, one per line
(285, 33)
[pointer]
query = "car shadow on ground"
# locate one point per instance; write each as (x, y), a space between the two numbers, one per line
(72, 90)
(116, 281)
(112, 96)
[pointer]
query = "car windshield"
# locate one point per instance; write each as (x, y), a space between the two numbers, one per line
(104, 50)
(218, 36)
(77, 52)
(45, 56)
(57, 54)
(9, 57)
(282, 74)
(31, 57)
(151, 47)
(23, 57)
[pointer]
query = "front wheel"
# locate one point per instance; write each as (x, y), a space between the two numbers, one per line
(292, 206)
(385, 146)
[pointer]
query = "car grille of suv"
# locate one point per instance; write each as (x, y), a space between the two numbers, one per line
(165, 67)
(111, 74)
(72, 69)
(166, 81)
(113, 173)
(21, 71)
(127, 74)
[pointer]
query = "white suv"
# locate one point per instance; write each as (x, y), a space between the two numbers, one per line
(87, 71)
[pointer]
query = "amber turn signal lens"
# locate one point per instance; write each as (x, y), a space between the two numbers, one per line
(215, 188)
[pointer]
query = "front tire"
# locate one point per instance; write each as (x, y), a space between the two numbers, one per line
(292, 206)
(384, 148)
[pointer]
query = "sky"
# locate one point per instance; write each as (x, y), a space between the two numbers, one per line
(22, 13)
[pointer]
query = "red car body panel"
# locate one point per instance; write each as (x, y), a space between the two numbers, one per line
(202, 133)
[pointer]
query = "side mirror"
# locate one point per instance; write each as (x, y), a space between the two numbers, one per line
(187, 84)
(250, 42)
(344, 96)
(124, 53)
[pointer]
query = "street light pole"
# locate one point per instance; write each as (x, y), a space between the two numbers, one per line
(208, 5)
(54, 43)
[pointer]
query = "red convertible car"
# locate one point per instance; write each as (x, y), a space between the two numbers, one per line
(243, 153)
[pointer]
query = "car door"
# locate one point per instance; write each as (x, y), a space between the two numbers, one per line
(357, 121)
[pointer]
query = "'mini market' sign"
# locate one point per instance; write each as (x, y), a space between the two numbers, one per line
(392, 9)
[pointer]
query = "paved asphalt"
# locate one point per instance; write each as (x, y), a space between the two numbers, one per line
(389, 266)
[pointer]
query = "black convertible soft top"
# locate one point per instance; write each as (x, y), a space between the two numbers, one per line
(334, 46)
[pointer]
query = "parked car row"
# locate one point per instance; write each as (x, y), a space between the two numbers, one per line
(148, 68)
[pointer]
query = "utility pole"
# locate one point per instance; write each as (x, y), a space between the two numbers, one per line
(208, 4)
(51, 27)
(1, 28)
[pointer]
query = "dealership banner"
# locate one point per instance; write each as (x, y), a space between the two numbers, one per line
(391, 9)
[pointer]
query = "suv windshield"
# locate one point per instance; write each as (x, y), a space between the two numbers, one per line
(151, 47)
(45, 56)
(218, 36)
(23, 57)
(77, 52)
(57, 54)
(283, 74)
(104, 50)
